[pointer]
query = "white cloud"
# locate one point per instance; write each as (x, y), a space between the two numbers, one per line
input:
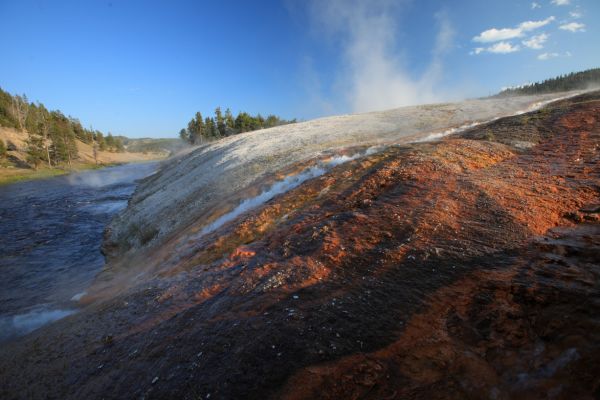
(576, 14)
(495, 35)
(535, 5)
(536, 42)
(531, 25)
(374, 76)
(548, 56)
(561, 2)
(497, 48)
(503, 48)
(573, 27)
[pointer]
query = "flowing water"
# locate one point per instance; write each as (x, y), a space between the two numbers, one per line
(50, 237)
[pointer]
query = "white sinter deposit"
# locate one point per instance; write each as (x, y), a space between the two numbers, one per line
(206, 183)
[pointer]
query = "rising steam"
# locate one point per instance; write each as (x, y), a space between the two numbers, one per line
(375, 77)
(278, 188)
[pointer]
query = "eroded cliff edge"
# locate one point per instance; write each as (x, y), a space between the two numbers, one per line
(463, 268)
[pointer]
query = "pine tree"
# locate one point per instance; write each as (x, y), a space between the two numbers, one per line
(224, 125)
(43, 130)
(184, 135)
(20, 110)
(7, 117)
(110, 142)
(196, 129)
(101, 141)
(220, 121)
(211, 128)
(572, 81)
(35, 149)
(64, 147)
(119, 147)
(229, 122)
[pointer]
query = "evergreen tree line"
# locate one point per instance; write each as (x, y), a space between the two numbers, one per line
(200, 129)
(51, 135)
(572, 81)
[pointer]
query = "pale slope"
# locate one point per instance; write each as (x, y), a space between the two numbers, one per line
(214, 178)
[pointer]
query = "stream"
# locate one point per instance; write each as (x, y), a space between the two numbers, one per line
(50, 238)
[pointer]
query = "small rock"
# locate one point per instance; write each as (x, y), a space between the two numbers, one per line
(155, 380)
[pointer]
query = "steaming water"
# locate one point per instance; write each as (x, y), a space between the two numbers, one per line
(294, 181)
(462, 128)
(280, 187)
(277, 188)
(451, 131)
(50, 236)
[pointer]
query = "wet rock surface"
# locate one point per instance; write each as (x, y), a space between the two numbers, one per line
(464, 268)
(214, 177)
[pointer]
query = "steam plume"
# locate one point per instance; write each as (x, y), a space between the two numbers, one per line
(375, 78)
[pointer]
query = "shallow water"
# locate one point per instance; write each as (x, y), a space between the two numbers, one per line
(277, 188)
(50, 237)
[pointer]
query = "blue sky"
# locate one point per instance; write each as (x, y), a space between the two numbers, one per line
(142, 68)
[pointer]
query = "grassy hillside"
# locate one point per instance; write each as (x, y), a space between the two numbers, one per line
(15, 165)
(37, 142)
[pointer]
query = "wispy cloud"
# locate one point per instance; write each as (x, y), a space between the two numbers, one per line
(536, 42)
(561, 2)
(503, 48)
(573, 27)
(535, 5)
(576, 14)
(548, 56)
(497, 48)
(374, 77)
(495, 35)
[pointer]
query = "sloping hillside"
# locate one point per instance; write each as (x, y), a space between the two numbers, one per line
(462, 268)
(213, 180)
(16, 165)
(582, 80)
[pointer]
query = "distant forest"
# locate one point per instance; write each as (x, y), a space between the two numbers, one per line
(572, 81)
(51, 135)
(222, 124)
